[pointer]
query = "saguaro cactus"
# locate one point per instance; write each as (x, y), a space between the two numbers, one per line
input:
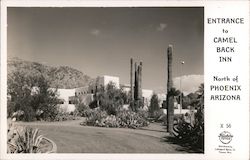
(131, 79)
(136, 90)
(140, 81)
(170, 98)
(136, 83)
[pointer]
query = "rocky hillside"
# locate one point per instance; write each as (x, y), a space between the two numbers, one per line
(61, 77)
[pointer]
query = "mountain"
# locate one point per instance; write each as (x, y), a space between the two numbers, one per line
(60, 77)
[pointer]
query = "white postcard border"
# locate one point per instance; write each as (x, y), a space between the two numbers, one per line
(211, 117)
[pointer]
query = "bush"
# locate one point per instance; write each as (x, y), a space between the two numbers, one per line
(10, 108)
(23, 140)
(188, 134)
(109, 99)
(158, 115)
(108, 110)
(192, 132)
(95, 117)
(136, 105)
(132, 119)
(123, 119)
(29, 114)
(82, 110)
(178, 117)
(29, 94)
(64, 116)
(142, 113)
(154, 106)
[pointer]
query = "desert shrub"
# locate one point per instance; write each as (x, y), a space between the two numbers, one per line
(189, 134)
(108, 121)
(154, 107)
(64, 116)
(136, 105)
(132, 119)
(87, 112)
(124, 119)
(157, 115)
(29, 114)
(10, 108)
(95, 117)
(82, 110)
(109, 99)
(23, 140)
(143, 113)
(111, 121)
(192, 133)
(178, 117)
(18, 115)
(31, 93)
(108, 111)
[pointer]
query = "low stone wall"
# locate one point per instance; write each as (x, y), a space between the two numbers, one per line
(54, 146)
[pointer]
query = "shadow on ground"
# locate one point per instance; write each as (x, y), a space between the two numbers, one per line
(155, 130)
(184, 146)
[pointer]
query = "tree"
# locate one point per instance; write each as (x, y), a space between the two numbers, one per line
(110, 98)
(199, 116)
(31, 94)
(198, 137)
(192, 99)
(154, 105)
(19, 89)
(193, 135)
(45, 100)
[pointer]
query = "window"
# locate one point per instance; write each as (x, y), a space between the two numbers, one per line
(61, 101)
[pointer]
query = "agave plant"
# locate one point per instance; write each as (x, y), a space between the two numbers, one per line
(29, 141)
(25, 141)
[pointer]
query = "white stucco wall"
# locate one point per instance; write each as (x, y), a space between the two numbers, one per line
(161, 98)
(64, 95)
(147, 94)
(67, 107)
(105, 80)
(178, 111)
(81, 90)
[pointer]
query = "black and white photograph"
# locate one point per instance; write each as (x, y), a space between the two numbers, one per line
(105, 80)
(126, 79)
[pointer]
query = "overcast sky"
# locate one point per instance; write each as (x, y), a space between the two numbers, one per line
(101, 41)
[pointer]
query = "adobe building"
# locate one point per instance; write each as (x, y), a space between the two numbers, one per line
(103, 81)
(85, 94)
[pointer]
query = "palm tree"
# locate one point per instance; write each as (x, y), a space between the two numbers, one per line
(200, 104)
(200, 92)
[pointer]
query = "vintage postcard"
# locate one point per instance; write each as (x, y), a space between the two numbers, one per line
(124, 79)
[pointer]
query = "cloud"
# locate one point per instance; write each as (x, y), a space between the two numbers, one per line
(189, 83)
(95, 32)
(161, 27)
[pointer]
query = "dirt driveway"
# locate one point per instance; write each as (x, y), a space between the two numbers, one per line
(70, 137)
